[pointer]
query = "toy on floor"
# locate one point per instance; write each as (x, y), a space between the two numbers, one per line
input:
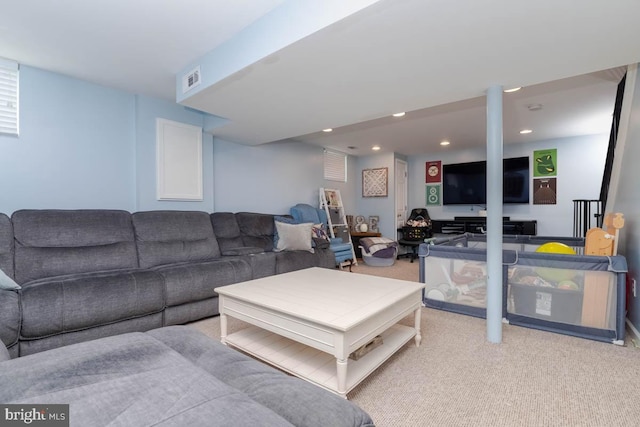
(555, 274)
(464, 282)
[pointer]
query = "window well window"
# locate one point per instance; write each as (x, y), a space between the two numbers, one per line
(335, 166)
(8, 97)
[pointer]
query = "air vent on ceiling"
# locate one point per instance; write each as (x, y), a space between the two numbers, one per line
(191, 79)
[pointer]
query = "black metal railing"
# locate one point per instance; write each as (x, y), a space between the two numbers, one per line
(613, 138)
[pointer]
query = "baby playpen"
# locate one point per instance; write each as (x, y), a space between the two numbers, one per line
(569, 293)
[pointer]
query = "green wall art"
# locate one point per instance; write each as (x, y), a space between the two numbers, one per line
(433, 195)
(545, 162)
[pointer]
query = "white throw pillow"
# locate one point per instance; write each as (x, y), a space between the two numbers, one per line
(7, 282)
(293, 237)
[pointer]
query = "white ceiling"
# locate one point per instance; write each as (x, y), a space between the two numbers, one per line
(431, 58)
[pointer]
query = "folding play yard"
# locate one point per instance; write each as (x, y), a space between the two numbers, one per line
(579, 295)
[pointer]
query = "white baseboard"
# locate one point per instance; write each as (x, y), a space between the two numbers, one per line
(633, 330)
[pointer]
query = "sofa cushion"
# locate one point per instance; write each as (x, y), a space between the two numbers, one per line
(70, 303)
(190, 282)
(256, 229)
(251, 250)
(299, 402)
(58, 242)
(227, 231)
(168, 237)
(9, 317)
(297, 260)
(137, 324)
(4, 353)
(6, 245)
(130, 380)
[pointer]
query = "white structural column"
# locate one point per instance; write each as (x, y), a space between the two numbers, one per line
(494, 214)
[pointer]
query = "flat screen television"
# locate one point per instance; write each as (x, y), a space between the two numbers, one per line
(466, 183)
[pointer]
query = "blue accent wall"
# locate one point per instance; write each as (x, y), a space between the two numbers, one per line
(86, 146)
(76, 146)
(580, 169)
(147, 110)
(270, 178)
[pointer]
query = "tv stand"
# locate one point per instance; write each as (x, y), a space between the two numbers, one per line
(478, 224)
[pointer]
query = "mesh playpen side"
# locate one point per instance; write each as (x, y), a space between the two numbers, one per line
(576, 295)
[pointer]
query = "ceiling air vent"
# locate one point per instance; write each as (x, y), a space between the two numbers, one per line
(191, 79)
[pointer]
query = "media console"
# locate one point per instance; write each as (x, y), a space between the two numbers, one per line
(478, 224)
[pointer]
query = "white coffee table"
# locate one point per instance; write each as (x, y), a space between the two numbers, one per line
(307, 322)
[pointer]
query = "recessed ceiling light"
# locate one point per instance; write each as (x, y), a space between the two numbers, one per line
(534, 107)
(327, 130)
(399, 114)
(445, 143)
(375, 148)
(513, 89)
(525, 131)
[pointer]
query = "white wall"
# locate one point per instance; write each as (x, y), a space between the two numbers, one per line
(580, 169)
(627, 201)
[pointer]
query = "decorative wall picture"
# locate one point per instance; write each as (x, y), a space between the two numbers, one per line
(332, 197)
(350, 222)
(375, 182)
(433, 195)
(544, 191)
(433, 172)
(373, 223)
(545, 162)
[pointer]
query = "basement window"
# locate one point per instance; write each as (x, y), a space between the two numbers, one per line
(335, 166)
(9, 97)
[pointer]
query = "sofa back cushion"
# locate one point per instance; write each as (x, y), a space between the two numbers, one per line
(243, 230)
(168, 237)
(256, 230)
(59, 242)
(227, 231)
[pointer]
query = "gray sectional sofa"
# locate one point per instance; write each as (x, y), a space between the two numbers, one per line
(87, 274)
(172, 376)
(92, 320)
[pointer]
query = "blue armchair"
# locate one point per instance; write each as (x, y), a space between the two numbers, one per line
(307, 213)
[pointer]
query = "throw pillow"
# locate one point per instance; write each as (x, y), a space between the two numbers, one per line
(276, 219)
(7, 282)
(318, 232)
(293, 237)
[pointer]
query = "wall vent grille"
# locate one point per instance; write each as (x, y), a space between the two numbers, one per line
(191, 80)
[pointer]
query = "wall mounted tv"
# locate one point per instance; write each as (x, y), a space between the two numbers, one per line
(466, 183)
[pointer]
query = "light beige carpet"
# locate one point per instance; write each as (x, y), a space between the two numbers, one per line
(457, 378)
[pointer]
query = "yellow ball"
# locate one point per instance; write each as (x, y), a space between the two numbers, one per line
(556, 248)
(555, 274)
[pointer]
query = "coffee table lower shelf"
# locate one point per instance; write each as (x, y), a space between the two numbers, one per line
(314, 365)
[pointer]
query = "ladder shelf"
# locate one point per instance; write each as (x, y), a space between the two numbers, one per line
(331, 202)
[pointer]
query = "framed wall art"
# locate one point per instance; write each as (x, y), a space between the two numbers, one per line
(375, 182)
(373, 223)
